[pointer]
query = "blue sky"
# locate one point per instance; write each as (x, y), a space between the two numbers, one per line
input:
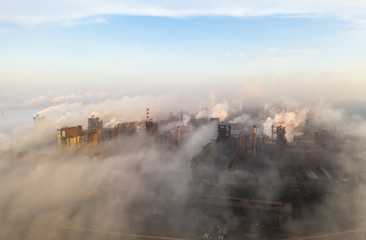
(194, 47)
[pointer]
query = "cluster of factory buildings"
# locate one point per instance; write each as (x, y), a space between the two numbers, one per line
(76, 137)
(275, 181)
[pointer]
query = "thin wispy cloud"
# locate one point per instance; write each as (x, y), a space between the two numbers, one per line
(276, 55)
(66, 98)
(100, 20)
(35, 12)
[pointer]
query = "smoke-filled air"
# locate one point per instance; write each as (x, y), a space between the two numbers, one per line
(220, 170)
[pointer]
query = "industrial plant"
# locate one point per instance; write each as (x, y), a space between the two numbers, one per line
(75, 138)
(245, 184)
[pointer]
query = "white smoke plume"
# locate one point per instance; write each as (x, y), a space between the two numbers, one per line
(290, 120)
(202, 114)
(242, 119)
(113, 122)
(72, 97)
(51, 108)
(220, 110)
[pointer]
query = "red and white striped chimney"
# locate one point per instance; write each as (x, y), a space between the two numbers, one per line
(147, 115)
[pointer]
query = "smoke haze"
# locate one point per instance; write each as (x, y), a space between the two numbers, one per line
(47, 191)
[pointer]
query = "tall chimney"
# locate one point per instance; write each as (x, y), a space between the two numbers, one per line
(147, 115)
(181, 116)
(178, 135)
(240, 139)
(272, 132)
(254, 141)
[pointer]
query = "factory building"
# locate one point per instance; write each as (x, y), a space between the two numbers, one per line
(76, 138)
(304, 173)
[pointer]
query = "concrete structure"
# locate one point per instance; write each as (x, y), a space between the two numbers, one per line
(293, 176)
(76, 138)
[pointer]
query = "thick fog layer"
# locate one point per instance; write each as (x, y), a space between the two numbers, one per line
(53, 193)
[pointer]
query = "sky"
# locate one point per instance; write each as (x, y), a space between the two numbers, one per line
(256, 49)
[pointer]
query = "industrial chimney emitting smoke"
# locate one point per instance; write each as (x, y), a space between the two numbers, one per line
(150, 125)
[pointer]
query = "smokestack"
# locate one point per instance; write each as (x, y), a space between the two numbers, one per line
(147, 115)
(181, 116)
(240, 139)
(178, 135)
(254, 141)
(272, 132)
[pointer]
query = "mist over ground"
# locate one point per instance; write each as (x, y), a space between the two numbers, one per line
(52, 193)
